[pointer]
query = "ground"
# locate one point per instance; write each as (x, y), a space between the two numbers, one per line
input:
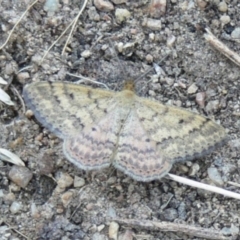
(51, 205)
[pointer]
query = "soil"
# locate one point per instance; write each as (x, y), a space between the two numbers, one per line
(64, 202)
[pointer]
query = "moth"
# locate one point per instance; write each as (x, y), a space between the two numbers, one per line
(141, 137)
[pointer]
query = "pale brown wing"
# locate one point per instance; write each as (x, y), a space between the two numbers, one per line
(138, 154)
(64, 108)
(95, 147)
(178, 133)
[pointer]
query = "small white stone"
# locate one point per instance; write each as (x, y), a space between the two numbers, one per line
(100, 227)
(171, 40)
(151, 36)
(169, 81)
(86, 53)
(149, 58)
(120, 47)
(222, 6)
(113, 230)
(225, 19)
(236, 33)
(153, 24)
(157, 8)
(15, 207)
(78, 182)
(65, 180)
(192, 89)
(67, 197)
(122, 15)
(200, 99)
(51, 6)
(20, 175)
(104, 6)
(194, 169)
(201, 4)
(215, 176)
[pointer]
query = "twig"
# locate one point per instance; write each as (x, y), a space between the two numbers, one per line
(206, 233)
(203, 186)
(16, 230)
(19, 96)
(87, 79)
(74, 24)
(234, 184)
(19, 20)
(74, 21)
(221, 47)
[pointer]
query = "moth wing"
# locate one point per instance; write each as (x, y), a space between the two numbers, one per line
(179, 134)
(66, 109)
(95, 147)
(137, 154)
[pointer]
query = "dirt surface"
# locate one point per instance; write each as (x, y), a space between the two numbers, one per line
(63, 202)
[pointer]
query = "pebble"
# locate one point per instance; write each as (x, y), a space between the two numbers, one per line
(200, 99)
(11, 68)
(51, 6)
(45, 164)
(111, 212)
(122, 15)
(100, 227)
(170, 214)
(183, 168)
(225, 19)
(192, 89)
(104, 6)
(78, 182)
(22, 77)
(127, 49)
(169, 81)
(113, 230)
(67, 197)
(29, 113)
(235, 143)
(98, 236)
(181, 83)
(9, 197)
(93, 14)
(151, 93)
(170, 41)
(152, 24)
(233, 230)
(182, 213)
(112, 180)
(212, 91)
(215, 176)
(34, 211)
(64, 180)
(222, 6)
(86, 53)
(212, 106)
(194, 169)
(120, 47)
(152, 36)
(201, 4)
(127, 235)
(157, 8)
(149, 58)
(20, 175)
(236, 33)
(15, 207)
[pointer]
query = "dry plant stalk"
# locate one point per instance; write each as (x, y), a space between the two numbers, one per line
(221, 47)
(173, 227)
